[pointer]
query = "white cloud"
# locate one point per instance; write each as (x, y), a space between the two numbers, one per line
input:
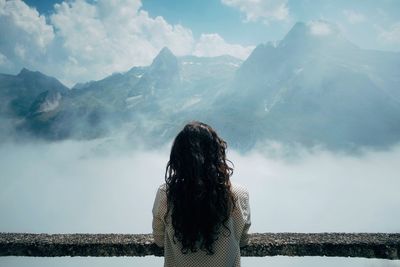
(211, 45)
(320, 28)
(264, 10)
(18, 17)
(319, 191)
(4, 62)
(390, 35)
(22, 29)
(107, 37)
(353, 17)
(85, 40)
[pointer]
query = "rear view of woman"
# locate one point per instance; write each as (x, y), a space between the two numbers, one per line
(199, 216)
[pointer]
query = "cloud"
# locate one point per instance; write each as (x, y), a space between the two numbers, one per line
(264, 10)
(353, 17)
(25, 34)
(390, 35)
(319, 27)
(4, 60)
(82, 40)
(110, 188)
(210, 45)
(106, 37)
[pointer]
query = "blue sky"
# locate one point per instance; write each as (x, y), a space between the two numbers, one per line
(81, 40)
(213, 16)
(229, 22)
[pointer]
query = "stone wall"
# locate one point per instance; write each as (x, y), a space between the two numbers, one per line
(366, 245)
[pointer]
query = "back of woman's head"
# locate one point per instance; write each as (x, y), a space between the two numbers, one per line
(198, 187)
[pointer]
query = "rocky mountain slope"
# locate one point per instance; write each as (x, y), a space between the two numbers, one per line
(315, 89)
(311, 88)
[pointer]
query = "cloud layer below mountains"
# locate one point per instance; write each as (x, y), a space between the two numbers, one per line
(102, 187)
(82, 41)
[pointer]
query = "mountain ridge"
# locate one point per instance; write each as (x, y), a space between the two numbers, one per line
(311, 88)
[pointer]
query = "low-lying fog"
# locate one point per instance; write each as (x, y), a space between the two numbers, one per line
(90, 187)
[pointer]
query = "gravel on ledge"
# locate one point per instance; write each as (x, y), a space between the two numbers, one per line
(365, 245)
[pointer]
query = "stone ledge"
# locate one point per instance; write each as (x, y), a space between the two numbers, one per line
(365, 245)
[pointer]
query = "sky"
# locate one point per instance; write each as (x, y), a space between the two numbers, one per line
(83, 40)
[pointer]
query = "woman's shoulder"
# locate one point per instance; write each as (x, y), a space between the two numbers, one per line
(161, 195)
(160, 202)
(242, 206)
(239, 191)
(163, 187)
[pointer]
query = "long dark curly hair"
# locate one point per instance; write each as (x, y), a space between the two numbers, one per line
(198, 187)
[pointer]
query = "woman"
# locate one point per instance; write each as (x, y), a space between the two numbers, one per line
(199, 216)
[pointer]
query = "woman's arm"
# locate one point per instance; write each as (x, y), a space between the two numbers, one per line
(246, 213)
(158, 224)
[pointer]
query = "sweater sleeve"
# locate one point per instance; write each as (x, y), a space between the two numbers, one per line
(247, 219)
(159, 210)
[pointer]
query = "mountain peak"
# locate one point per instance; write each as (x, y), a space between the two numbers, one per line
(302, 32)
(33, 78)
(314, 34)
(315, 28)
(164, 54)
(30, 73)
(300, 28)
(24, 71)
(164, 58)
(165, 51)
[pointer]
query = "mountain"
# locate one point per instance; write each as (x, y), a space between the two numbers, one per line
(314, 87)
(162, 74)
(146, 101)
(17, 93)
(19, 96)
